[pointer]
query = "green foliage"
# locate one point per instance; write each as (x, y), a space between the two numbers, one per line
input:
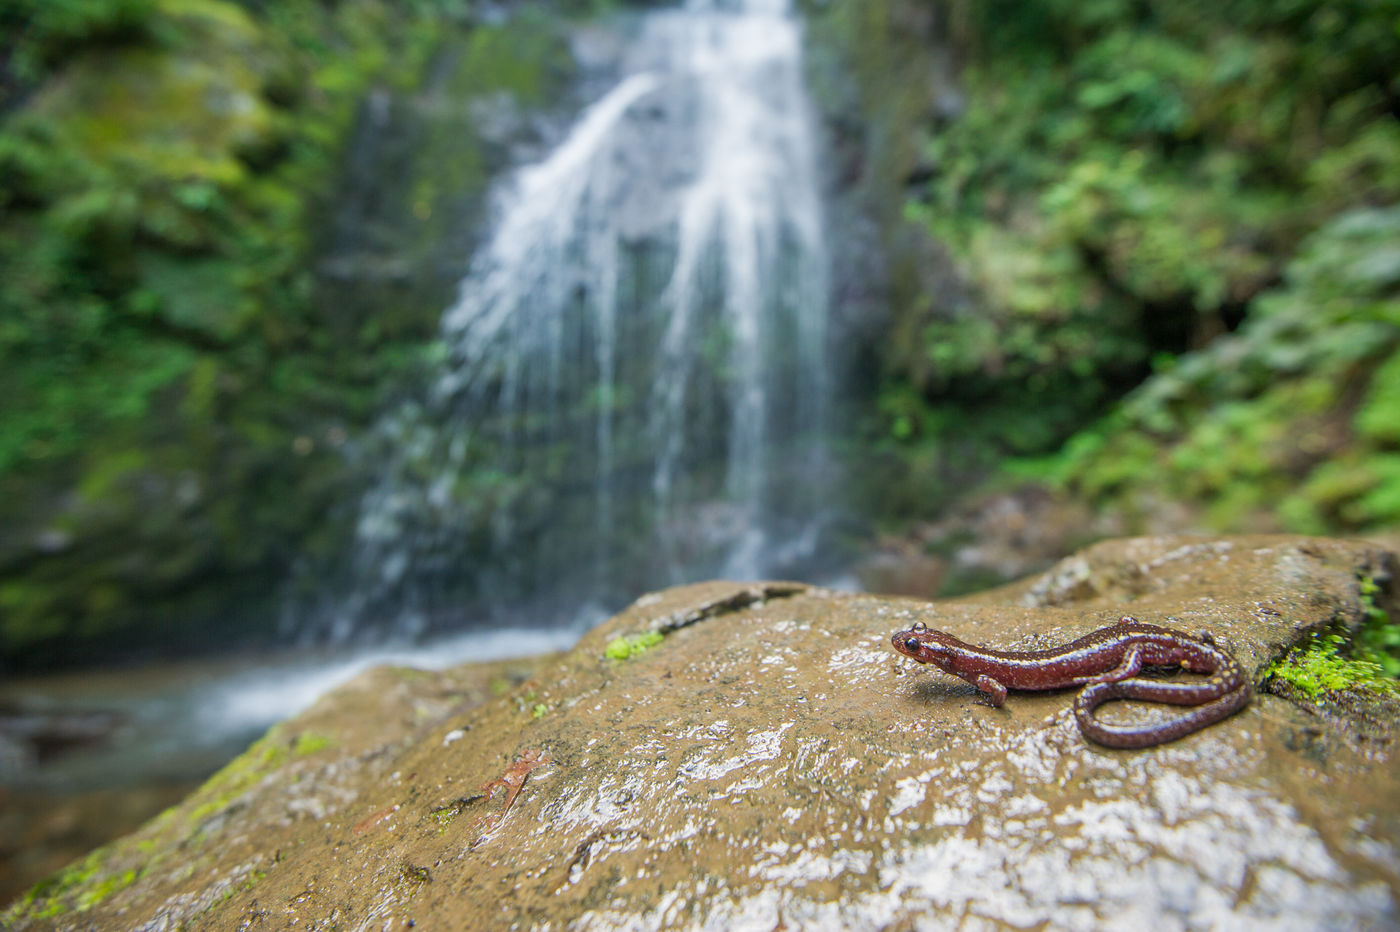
(509, 59)
(1128, 183)
(165, 169)
(1376, 419)
(37, 33)
(129, 240)
(1260, 421)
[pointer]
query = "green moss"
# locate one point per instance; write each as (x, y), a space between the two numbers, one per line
(633, 645)
(78, 887)
(1332, 662)
(1319, 668)
(1378, 641)
(237, 777)
(415, 875)
(99, 891)
(445, 814)
(309, 743)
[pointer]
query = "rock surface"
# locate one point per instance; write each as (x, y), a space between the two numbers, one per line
(770, 764)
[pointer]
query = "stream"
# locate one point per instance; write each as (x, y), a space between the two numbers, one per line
(90, 755)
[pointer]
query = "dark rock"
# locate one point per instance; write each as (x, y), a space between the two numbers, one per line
(48, 733)
(898, 567)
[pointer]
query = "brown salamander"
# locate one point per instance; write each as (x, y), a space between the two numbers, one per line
(1106, 663)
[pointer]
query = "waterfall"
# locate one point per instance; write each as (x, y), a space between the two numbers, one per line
(635, 385)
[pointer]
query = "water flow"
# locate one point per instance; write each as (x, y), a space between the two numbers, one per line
(635, 385)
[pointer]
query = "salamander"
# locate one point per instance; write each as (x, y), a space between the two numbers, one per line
(1105, 662)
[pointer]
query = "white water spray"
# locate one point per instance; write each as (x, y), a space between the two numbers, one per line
(636, 386)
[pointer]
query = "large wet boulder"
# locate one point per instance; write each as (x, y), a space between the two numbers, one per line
(732, 756)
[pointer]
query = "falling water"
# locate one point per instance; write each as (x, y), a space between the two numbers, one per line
(635, 384)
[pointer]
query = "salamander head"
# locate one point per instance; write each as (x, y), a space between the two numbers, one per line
(926, 645)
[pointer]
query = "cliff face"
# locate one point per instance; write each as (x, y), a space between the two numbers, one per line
(729, 755)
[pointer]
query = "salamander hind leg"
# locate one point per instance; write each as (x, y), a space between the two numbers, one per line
(996, 693)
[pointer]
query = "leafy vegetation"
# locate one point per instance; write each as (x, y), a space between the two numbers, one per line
(177, 377)
(1194, 199)
(37, 34)
(133, 253)
(1290, 416)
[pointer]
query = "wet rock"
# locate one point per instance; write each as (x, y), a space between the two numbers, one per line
(42, 831)
(769, 763)
(42, 734)
(52, 540)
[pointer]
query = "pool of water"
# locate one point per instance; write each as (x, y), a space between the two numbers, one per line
(88, 756)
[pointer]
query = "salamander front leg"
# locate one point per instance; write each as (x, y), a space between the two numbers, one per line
(996, 693)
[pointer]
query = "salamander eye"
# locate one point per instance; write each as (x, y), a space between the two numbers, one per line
(911, 645)
(919, 626)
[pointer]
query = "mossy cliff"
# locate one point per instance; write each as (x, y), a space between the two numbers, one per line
(1192, 202)
(181, 354)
